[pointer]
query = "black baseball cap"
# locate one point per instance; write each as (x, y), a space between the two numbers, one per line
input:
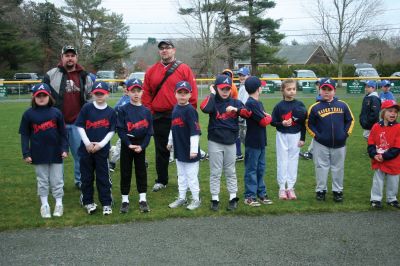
(68, 48)
(167, 42)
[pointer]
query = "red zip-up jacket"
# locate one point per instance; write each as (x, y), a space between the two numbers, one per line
(165, 100)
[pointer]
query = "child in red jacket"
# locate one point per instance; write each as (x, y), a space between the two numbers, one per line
(384, 150)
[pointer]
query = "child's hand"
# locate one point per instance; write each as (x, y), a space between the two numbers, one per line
(300, 144)
(378, 157)
(169, 147)
(287, 123)
(193, 155)
(28, 159)
(266, 114)
(231, 109)
(64, 155)
(137, 148)
(131, 146)
(96, 147)
(89, 148)
(212, 90)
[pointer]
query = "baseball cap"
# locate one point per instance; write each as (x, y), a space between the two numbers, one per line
(223, 81)
(183, 85)
(252, 84)
(385, 83)
(371, 83)
(327, 82)
(41, 88)
(68, 48)
(134, 83)
(243, 71)
(389, 104)
(167, 42)
(100, 86)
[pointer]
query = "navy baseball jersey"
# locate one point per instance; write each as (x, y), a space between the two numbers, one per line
(43, 135)
(185, 123)
(256, 135)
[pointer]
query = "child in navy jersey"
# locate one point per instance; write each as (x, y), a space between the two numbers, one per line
(223, 130)
(288, 117)
(255, 142)
(135, 128)
(44, 144)
(184, 140)
(96, 125)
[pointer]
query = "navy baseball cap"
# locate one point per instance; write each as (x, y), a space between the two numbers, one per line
(385, 83)
(183, 85)
(134, 83)
(40, 88)
(327, 82)
(100, 86)
(252, 84)
(68, 48)
(167, 42)
(243, 71)
(223, 81)
(371, 83)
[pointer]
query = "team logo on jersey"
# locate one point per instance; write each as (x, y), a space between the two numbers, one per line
(178, 122)
(383, 143)
(140, 124)
(98, 124)
(226, 115)
(330, 111)
(44, 126)
(289, 116)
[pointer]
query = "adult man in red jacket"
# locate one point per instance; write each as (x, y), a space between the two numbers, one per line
(162, 101)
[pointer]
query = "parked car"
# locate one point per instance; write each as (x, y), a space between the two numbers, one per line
(22, 88)
(108, 74)
(137, 75)
(366, 70)
(277, 82)
(308, 83)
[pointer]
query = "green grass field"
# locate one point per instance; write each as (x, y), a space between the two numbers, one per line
(21, 205)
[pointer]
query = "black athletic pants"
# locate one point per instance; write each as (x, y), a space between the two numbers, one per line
(161, 128)
(128, 156)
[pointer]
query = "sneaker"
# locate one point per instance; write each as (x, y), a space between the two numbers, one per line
(194, 205)
(239, 158)
(203, 156)
(265, 200)
(177, 203)
(306, 155)
(58, 211)
(91, 208)
(107, 210)
(158, 187)
(124, 207)
(111, 166)
(282, 194)
(376, 204)
(45, 211)
(337, 196)
(320, 195)
(171, 159)
(214, 205)
(290, 194)
(233, 204)
(252, 202)
(394, 203)
(143, 206)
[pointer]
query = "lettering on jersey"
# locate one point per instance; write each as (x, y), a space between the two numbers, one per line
(44, 126)
(383, 144)
(98, 124)
(140, 124)
(330, 111)
(226, 115)
(178, 122)
(288, 116)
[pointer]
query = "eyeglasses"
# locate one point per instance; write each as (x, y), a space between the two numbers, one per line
(164, 48)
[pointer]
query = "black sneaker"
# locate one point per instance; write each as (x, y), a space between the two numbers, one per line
(376, 204)
(233, 204)
(394, 203)
(214, 205)
(143, 207)
(111, 166)
(306, 155)
(337, 196)
(239, 158)
(320, 195)
(124, 207)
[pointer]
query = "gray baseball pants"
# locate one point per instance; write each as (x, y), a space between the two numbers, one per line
(392, 186)
(50, 176)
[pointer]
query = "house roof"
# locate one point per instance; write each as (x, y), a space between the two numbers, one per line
(297, 54)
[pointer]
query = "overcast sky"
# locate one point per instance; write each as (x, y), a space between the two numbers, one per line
(159, 18)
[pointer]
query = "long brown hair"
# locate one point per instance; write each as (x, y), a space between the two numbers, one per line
(49, 104)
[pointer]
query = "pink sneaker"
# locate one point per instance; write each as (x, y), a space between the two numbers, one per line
(290, 194)
(282, 194)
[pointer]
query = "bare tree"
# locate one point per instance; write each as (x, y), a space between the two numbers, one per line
(344, 21)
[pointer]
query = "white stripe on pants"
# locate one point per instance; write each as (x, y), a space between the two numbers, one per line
(50, 176)
(287, 158)
(326, 159)
(188, 178)
(222, 157)
(392, 186)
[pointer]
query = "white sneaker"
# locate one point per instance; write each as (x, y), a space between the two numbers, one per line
(91, 208)
(194, 205)
(45, 211)
(158, 187)
(107, 210)
(177, 203)
(58, 210)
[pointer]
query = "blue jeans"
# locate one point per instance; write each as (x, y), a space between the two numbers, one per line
(254, 161)
(74, 141)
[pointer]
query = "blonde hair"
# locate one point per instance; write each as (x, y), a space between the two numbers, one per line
(285, 83)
